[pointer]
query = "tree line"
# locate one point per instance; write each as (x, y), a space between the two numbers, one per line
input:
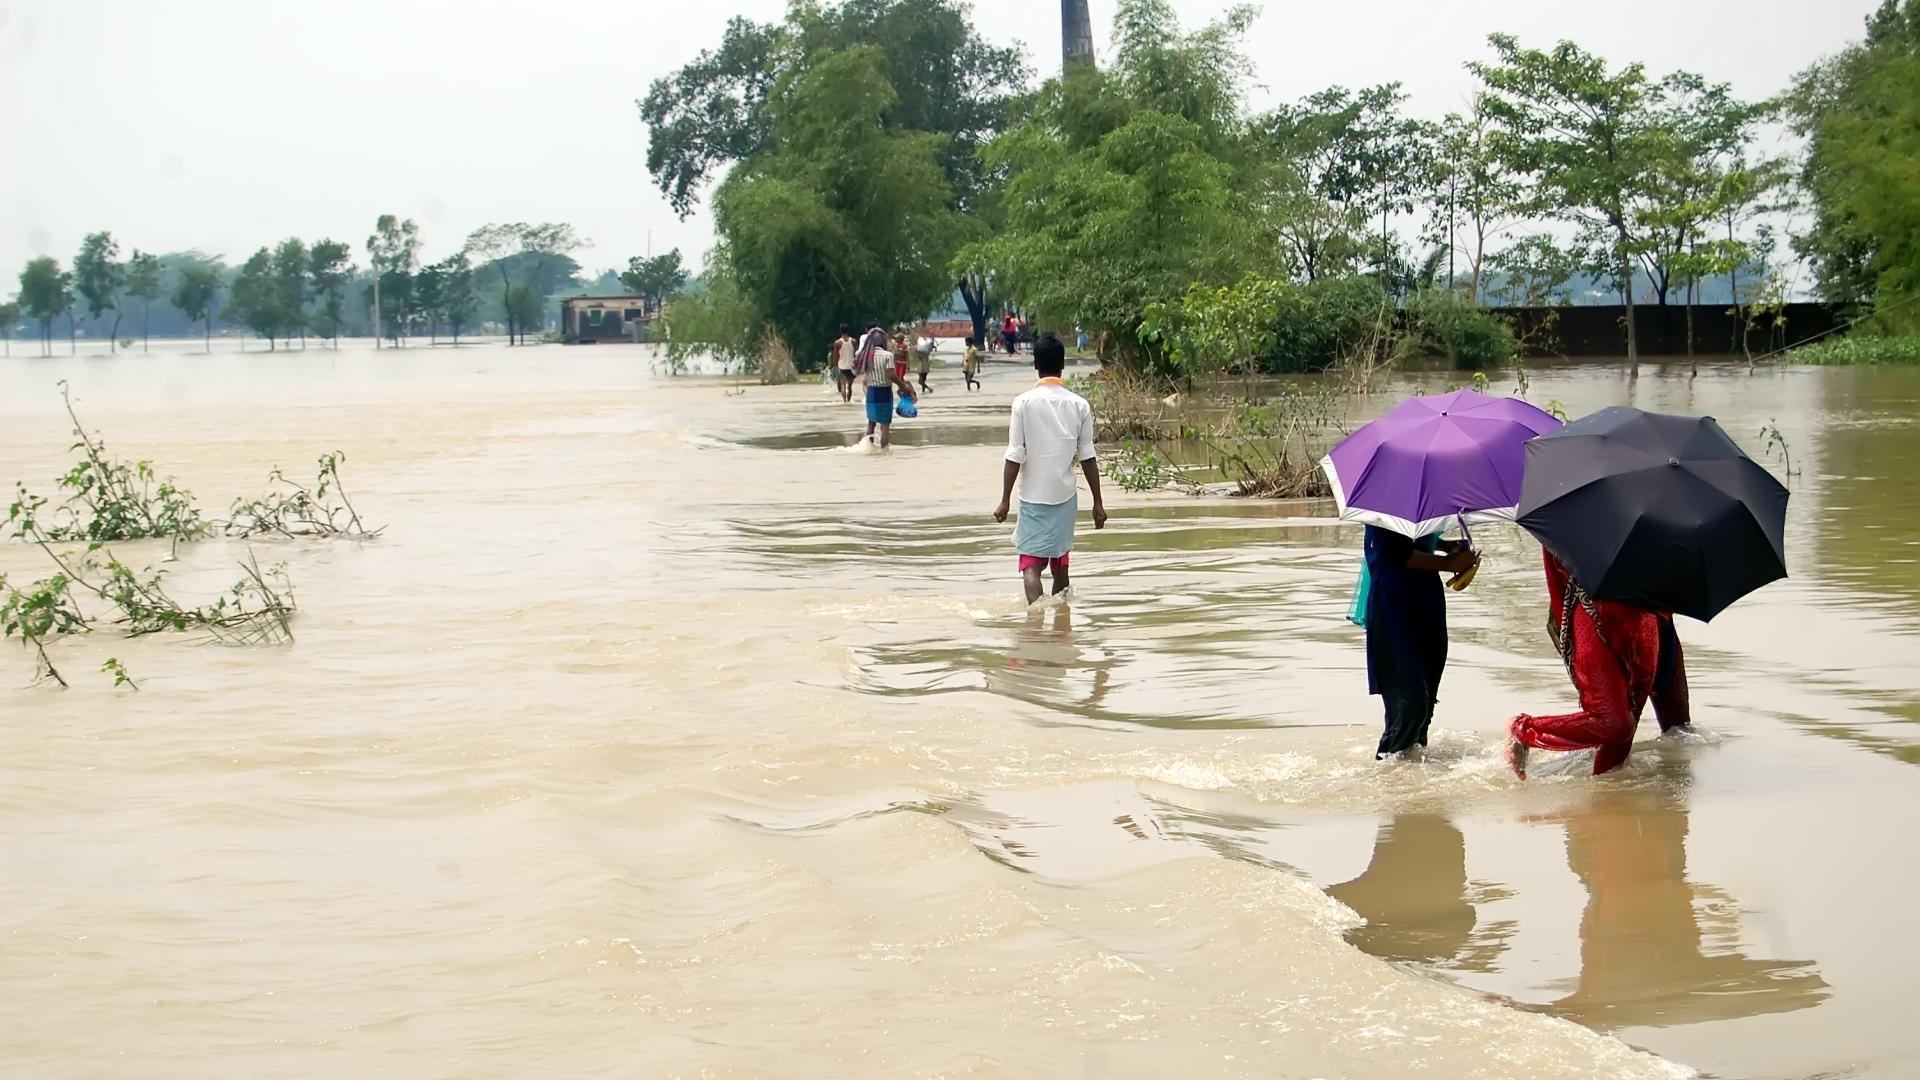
(874, 156)
(506, 274)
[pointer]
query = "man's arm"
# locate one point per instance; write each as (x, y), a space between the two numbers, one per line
(1009, 475)
(1016, 457)
(1091, 467)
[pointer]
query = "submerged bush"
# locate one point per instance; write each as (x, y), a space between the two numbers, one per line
(1859, 349)
(1443, 323)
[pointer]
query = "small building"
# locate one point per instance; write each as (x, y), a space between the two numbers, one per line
(602, 320)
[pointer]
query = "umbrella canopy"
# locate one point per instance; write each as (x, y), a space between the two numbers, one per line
(1434, 459)
(1662, 512)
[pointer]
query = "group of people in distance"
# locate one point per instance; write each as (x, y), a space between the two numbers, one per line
(1620, 657)
(881, 366)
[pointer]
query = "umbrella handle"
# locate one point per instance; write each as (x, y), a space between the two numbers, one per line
(1464, 530)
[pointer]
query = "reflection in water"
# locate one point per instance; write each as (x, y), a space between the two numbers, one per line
(1415, 898)
(1043, 657)
(1647, 930)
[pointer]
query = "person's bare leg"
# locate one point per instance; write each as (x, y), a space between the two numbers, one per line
(1061, 580)
(1030, 577)
(886, 436)
(870, 426)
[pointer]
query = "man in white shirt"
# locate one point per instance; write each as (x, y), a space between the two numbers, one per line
(843, 350)
(1051, 431)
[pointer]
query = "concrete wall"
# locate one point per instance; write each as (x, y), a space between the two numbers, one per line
(1717, 331)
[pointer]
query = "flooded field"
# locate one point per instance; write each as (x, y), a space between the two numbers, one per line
(667, 733)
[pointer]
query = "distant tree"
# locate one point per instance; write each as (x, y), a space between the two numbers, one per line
(517, 248)
(1336, 160)
(948, 81)
(257, 299)
(456, 293)
(1473, 197)
(1589, 139)
(46, 291)
(427, 287)
(1533, 272)
(394, 251)
(100, 278)
(329, 267)
(1860, 116)
(9, 317)
(658, 278)
(144, 282)
(290, 267)
(196, 292)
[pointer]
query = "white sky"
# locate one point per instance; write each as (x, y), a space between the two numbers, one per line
(229, 124)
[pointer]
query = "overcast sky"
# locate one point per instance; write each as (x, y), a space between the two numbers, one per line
(229, 124)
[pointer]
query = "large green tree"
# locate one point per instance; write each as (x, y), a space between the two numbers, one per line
(1124, 186)
(196, 292)
(45, 292)
(1474, 200)
(258, 300)
(849, 219)
(522, 255)
(657, 278)
(1860, 114)
(1588, 139)
(144, 282)
(947, 80)
(291, 286)
(100, 278)
(329, 268)
(393, 249)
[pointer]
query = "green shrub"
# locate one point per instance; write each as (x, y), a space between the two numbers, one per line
(1323, 323)
(1443, 323)
(1859, 349)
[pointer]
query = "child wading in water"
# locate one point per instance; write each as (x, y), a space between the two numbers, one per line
(1051, 429)
(970, 367)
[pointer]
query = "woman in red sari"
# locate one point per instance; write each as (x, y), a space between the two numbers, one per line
(1620, 657)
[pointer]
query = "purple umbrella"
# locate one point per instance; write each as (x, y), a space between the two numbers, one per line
(1434, 459)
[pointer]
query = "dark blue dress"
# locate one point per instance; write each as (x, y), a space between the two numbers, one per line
(1406, 638)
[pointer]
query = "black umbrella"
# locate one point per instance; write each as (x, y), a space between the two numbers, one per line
(1662, 512)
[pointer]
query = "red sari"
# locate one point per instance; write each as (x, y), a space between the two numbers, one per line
(1620, 657)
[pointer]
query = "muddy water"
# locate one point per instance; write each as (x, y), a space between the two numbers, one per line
(664, 735)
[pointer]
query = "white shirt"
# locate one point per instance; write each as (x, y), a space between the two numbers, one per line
(848, 347)
(881, 373)
(1051, 432)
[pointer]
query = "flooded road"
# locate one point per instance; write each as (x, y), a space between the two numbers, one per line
(663, 733)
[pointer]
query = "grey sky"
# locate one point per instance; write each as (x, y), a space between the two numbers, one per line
(229, 124)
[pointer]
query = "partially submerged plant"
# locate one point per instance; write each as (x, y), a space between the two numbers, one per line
(38, 616)
(107, 499)
(293, 510)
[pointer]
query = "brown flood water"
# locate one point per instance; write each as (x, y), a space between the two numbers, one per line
(663, 734)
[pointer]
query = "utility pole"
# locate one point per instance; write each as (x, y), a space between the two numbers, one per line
(1076, 34)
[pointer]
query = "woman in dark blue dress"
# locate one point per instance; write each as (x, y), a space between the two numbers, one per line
(1407, 630)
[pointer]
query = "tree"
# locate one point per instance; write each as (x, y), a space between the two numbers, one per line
(1702, 129)
(100, 278)
(290, 268)
(394, 251)
(657, 278)
(848, 220)
(45, 292)
(1860, 116)
(196, 292)
(1126, 186)
(1587, 137)
(1473, 198)
(1533, 272)
(1337, 160)
(9, 317)
(947, 81)
(329, 267)
(258, 300)
(454, 291)
(144, 282)
(517, 248)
